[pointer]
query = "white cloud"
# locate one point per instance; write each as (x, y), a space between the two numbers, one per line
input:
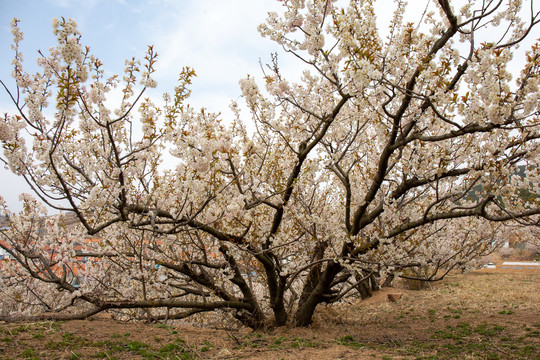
(219, 39)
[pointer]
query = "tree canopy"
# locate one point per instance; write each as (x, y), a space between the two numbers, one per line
(359, 172)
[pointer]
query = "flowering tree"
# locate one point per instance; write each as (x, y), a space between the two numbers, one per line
(391, 156)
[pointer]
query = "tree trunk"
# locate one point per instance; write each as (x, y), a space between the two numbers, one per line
(253, 319)
(278, 304)
(304, 315)
(306, 309)
(388, 281)
(364, 287)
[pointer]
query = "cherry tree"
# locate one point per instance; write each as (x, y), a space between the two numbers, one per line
(392, 156)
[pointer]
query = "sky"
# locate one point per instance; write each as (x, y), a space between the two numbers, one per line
(218, 38)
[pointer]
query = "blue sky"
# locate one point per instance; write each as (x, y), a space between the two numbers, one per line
(217, 38)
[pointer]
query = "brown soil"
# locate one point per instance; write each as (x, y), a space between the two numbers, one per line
(487, 314)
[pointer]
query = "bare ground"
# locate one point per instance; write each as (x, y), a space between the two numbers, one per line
(487, 314)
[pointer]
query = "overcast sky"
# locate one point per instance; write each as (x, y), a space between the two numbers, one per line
(218, 38)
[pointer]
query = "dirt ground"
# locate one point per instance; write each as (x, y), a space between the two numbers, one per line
(486, 314)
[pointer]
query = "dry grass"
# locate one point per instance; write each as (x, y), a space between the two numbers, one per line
(485, 291)
(481, 315)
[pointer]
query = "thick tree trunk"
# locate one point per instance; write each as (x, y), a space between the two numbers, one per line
(278, 304)
(364, 287)
(306, 309)
(307, 301)
(388, 281)
(304, 315)
(311, 283)
(254, 320)
(280, 315)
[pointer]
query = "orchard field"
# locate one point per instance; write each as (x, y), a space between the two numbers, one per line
(405, 145)
(485, 314)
